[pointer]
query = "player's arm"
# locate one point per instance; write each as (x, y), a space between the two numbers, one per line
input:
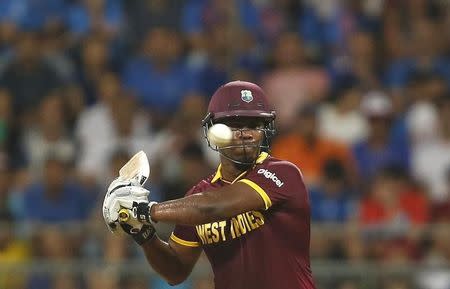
(172, 261)
(211, 205)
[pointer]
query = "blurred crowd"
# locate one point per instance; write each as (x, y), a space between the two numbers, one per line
(361, 90)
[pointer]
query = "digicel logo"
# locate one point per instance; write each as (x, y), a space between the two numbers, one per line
(271, 176)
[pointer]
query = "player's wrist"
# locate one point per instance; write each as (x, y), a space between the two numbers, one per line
(143, 212)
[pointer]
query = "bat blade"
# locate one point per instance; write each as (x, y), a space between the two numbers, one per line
(136, 170)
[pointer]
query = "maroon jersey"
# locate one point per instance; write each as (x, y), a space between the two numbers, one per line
(267, 249)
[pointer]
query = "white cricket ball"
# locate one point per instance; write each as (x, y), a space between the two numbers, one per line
(220, 134)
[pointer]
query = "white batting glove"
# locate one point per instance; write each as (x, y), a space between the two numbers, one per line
(121, 194)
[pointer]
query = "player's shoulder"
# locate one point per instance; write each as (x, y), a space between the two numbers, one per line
(279, 170)
(281, 165)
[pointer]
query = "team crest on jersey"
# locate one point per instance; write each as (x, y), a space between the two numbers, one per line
(246, 95)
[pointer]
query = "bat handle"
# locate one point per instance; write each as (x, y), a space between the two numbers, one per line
(124, 215)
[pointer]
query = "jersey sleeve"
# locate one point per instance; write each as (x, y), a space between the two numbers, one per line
(185, 235)
(277, 182)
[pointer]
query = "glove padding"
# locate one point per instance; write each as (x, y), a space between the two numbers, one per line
(121, 194)
(146, 233)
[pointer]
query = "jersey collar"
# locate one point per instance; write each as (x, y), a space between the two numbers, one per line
(218, 176)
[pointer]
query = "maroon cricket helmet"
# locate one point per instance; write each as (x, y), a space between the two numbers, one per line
(239, 99)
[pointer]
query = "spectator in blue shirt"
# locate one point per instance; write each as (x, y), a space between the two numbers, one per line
(332, 201)
(55, 199)
(103, 16)
(384, 146)
(32, 14)
(424, 57)
(159, 77)
(142, 15)
(198, 15)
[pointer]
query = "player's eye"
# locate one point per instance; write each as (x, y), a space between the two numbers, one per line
(258, 126)
(245, 125)
(255, 125)
(234, 125)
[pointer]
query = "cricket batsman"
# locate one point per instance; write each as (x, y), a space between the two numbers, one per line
(251, 216)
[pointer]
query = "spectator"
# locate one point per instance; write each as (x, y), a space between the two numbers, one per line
(191, 168)
(55, 47)
(342, 20)
(424, 90)
(361, 63)
(198, 16)
(47, 135)
(56, 199)
(389, 215)
(393, 200)
(278, 16)
(237, 22)
(218, 63)
(33, 15)
(117, 124)
(305, 148)
(341, 120)
(28, 77)
(379, 149)
(432, 160)
(158, 77)
(144, 15)
(426, 56)
(332, 200)
(292, 82)
(95, 16)
(95, 60)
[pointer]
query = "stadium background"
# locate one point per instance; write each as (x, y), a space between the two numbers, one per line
(362, 94)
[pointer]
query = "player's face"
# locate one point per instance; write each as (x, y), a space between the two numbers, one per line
(247, 137)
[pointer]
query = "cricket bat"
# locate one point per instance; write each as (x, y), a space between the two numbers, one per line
(137, 171)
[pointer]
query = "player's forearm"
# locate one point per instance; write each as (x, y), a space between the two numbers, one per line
(192, 210)
(164, 261)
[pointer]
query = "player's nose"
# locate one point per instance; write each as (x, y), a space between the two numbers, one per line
(244, 134)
